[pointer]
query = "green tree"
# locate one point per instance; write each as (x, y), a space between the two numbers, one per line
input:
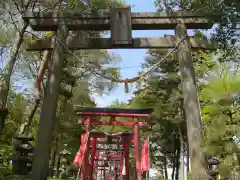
(11, 25)
(221, 118)
(226, 32)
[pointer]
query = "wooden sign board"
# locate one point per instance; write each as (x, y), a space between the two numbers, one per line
(121, 26)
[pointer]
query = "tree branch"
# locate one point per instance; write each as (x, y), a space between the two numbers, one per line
(17, 6)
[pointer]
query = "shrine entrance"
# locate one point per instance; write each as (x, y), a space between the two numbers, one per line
(94, 161)
(120, 22)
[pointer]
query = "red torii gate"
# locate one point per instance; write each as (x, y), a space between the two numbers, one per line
(117, 154)
(87, 165)
(115, 157)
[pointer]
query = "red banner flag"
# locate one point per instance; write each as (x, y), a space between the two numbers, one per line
(79, 155)
(145, 157)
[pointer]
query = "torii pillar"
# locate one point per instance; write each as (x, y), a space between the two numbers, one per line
(137, 149)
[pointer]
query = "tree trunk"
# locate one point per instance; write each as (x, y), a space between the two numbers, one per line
(191, 106)
(181, 155)
(174, 157)
(53, 157)
(54, 154)
(56, 162)
(165, 168)
(7, 73)
(173, 168)
(30, 117)
(48, 114)
(177, 161)
(162, 170)
(188, 159)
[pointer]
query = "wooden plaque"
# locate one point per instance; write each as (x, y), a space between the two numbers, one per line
(121, 26)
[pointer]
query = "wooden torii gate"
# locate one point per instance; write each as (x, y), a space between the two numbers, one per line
(120, 22)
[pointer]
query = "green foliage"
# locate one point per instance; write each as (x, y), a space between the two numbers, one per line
(94, 5)
(220, 113)
(3, 38)
(4, 155)
(17, 109)
(227, 33)
(189, 177)
(203, 63)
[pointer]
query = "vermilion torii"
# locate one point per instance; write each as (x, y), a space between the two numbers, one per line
(90, 141)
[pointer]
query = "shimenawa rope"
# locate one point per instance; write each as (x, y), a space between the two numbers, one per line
(135, 79)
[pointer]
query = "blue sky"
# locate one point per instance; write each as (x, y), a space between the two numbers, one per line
(131, 57)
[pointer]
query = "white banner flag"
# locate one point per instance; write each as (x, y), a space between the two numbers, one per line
(124, 168)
